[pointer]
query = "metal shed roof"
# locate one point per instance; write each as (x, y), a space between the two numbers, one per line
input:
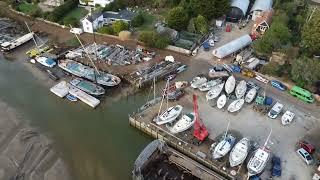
(232, 46)
(261, 5)
(241, 4)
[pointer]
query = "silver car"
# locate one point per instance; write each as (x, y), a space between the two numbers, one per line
(305, 156)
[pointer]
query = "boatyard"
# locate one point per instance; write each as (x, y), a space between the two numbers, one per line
(212, 120)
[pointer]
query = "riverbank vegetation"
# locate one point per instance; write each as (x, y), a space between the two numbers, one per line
(294, 32)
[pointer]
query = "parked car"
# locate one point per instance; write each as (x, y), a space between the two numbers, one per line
(310, 148)
(275, 110)
(287, 118)
(276, 166)
(262, 79)
(278, 85)
(170, 77)
(182, 68)
(305, 156)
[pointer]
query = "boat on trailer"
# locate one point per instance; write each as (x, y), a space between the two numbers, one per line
(239, 152)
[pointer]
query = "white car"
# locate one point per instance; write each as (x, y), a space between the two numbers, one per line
(305, 156)
(287, 118)
(275, 110)
(262, 79)
(77, 31)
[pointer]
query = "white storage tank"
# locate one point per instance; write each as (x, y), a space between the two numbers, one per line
(232, 47)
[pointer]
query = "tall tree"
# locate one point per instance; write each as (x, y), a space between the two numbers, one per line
(305, 71)
(311, 34)
(177, 18)
(201, 25)
(210, 8)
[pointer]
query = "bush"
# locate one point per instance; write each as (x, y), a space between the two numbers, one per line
(60, 11)
(154, 40)
(36, 12)
(71, 21)
(138, 20)
(177, 18)
(119, 26)
(106, 30)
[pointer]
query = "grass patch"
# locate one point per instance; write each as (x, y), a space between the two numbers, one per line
(27, 8)
(76, 13)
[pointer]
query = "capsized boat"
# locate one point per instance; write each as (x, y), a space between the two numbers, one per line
(183, 124)
(223, 147)
(198, 81)
(210, 84)
(258, 161)
(169, 115)
(241, 89)
(250, 95)
(221, 102)
(48, 62)
(214, 92)
(239, 152)
(230, 84)
(87, 72)
(87, 86)
(236, 105)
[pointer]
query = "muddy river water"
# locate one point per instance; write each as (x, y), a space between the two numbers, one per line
(95, 144)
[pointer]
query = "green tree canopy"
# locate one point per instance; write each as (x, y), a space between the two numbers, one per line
(69, 20)
(177, 18)
(311, 34)
(138, 19)
(305, 71)
(210, 8)
(153, 39)
(201, 25)
(119, 26)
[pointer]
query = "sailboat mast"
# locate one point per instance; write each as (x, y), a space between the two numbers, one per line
(265, 144)
(225, 135)
(165, 90)
(86, 52)
(154, 88)
(34, 40)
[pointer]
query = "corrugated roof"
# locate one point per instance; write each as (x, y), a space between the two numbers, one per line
(261, 5)
(241, 4)
(123, 14)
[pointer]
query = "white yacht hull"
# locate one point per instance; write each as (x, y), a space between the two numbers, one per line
(223, 147)
(258, 161)
(197, 82)
(241, 89)
(169, 115)
(183, 124)
(236, 105)
(250, 95)
(221, 102)
(230, 84)
(239, 152)
(214, 92)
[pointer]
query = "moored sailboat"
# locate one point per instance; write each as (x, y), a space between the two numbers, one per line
(236, 105)
(250, 95)
(214, 92)
(230, 84)
(87, 86)
(241, 89)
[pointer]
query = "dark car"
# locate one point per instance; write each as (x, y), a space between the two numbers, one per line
(276, 166)
(278, 85)
(307, 146)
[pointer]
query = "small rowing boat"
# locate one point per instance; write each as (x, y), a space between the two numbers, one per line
(221, 102)
(71, 98)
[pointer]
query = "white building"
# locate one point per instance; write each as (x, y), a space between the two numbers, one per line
(101, 3)
(94, 21)
(259, 7)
